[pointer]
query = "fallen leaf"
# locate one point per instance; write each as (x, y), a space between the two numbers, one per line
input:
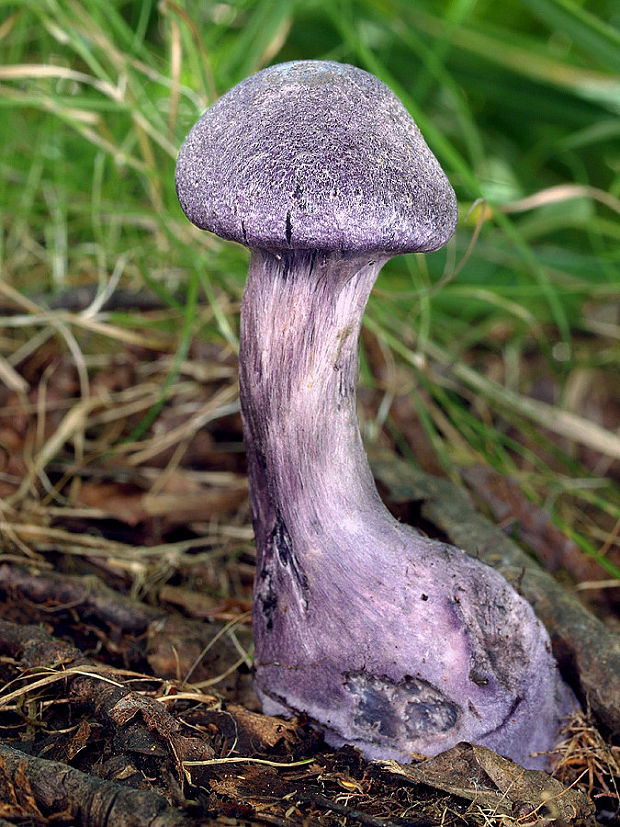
(498, 785)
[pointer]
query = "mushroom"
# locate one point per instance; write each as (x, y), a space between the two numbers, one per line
(382, 637)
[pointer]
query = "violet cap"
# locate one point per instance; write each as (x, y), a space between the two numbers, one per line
(315, 155)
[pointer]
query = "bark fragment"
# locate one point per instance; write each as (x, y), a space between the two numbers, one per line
(35, 788)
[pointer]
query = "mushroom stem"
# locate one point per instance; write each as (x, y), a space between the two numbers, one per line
(386, 639)
(301, 318)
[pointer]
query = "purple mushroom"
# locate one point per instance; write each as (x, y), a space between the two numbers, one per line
(384, 638)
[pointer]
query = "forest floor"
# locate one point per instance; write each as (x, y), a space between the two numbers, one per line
(126, 570)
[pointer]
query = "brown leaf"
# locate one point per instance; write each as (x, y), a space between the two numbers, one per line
(174, 506)
(79, 740)
(184, 508)
(120, 501)
(12, 464)
(264, 730)
(201, 605)
(498, 785)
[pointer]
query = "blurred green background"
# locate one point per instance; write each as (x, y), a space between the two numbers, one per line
(505, 343)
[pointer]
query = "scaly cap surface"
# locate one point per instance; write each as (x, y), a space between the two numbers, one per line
(315, 155)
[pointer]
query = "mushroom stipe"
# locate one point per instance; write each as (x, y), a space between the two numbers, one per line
(384, 638)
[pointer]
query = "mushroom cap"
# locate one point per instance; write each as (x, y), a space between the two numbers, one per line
(315, 155)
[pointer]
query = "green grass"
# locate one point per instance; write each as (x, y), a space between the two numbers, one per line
(514, 98)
